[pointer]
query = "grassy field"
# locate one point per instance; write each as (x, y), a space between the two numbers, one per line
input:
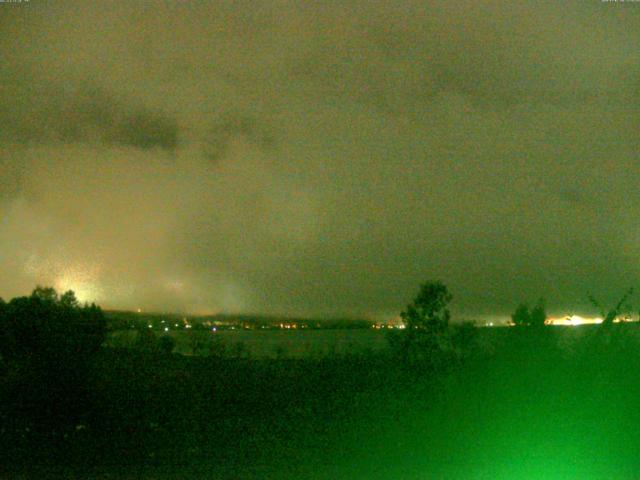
(560, 403)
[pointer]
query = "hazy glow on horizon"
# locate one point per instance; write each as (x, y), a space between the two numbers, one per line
(83, 281)
(574, 320)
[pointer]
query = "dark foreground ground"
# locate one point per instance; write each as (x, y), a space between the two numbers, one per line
(563, 403)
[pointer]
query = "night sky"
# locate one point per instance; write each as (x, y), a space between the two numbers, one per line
(305, 159)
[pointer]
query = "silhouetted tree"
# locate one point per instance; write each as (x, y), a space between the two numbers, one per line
(46, 342)
(611, 315)
(425, 340)
(522, 315)
(538, 314)
(46, 328)
(69, 300)
(428, 311)
(46, 294)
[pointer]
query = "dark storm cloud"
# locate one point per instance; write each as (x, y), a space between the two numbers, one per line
(358, 149)
(143, 129)
(36, 112)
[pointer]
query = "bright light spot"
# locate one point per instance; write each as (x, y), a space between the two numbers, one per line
(82, 279)
(64, 273)
(166, 329)
(574, 320)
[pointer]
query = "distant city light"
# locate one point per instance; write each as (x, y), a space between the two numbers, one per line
(574, 320)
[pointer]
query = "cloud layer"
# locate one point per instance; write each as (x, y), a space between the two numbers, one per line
(320, 159)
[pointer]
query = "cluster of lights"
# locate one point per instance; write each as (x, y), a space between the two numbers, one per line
(176, 325)
(380, 326)
(575, 320)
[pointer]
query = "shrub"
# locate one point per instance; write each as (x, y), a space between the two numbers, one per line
(166, 344)
(146, 340)
(217, 347)
(535, 317)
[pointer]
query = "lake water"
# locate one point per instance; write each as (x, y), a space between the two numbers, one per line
(272, 343)
(304, 343)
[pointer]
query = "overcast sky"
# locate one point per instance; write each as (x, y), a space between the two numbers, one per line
(320, 159)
